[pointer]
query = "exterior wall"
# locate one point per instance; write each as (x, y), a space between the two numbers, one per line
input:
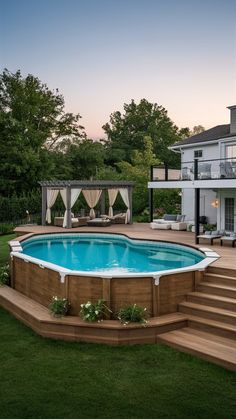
(206, 197)
(209, 152)
(222, 194)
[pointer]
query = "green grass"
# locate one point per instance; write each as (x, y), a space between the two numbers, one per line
(42, 378)
(4, 251)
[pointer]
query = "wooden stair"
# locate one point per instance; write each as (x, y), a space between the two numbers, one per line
(211, 314)
(203, 344)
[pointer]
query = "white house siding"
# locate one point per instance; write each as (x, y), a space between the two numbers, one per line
(221, 195)
(207, 196)
(210, 151)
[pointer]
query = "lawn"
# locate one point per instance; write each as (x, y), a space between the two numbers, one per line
(42, 378)
(4, 252)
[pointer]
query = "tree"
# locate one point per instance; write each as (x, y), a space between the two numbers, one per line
(125, 133)
(85, 158)
(32, 123)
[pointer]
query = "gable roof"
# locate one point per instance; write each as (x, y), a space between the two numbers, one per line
(212, 134)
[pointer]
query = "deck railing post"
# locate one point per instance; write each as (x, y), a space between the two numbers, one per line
(151, 196)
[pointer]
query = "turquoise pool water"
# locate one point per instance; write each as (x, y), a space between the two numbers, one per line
(106, 252)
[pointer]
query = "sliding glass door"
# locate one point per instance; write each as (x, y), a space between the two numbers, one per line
(229, 214)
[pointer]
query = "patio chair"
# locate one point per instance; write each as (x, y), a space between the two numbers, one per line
(230, 239)
(212, 235)
(204, 171)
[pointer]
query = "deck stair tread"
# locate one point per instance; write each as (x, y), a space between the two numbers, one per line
(202, 344)
(212, 297)
(217, 289)
(212, 275)
(216, 285)
(205, 309)
(213, 323)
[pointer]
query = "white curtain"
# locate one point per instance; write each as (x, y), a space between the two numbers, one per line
(92, 197)
(112, 194)
(74, 196)
(51, 198)
(125, 196)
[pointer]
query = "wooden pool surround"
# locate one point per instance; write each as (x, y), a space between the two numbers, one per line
(33, 286)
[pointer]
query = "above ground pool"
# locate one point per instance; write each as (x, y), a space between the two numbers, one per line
(109, 253)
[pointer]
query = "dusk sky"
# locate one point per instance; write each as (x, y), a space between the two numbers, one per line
(101, 54)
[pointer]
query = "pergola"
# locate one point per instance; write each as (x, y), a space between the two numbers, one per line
(93, 192)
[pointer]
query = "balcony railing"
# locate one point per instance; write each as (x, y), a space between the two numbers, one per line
(197, 170)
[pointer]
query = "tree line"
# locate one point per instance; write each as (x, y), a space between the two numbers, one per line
(39, 140)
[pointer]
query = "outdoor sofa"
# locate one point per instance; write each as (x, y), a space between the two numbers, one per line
(75, 222)
(169, 221)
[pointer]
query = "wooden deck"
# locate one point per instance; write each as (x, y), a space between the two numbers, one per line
(203, 323)
(143, 231)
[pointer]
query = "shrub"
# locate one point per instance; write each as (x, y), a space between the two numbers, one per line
(4, 275)
(59, 306)
(132, 313)
(7, 228)
(94, 312)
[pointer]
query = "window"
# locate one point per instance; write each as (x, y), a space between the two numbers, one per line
(197, 154)
(231, 151)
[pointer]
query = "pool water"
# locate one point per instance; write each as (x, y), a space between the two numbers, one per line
(106, 252)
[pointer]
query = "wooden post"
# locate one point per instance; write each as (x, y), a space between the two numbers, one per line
(130, 192)
(103, 210)
(68, 203)
(198, 277)
(106, 293)
(151, 197)
(197, 204)
(155, 299)
(44, 204)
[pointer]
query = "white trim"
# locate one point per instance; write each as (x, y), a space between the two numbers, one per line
(200, 143)
(193, 184)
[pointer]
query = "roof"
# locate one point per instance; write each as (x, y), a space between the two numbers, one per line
(87, 184)
(212, 134)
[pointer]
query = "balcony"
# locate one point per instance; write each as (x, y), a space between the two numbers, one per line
(219, 173)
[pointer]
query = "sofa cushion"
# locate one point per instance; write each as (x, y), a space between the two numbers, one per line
(170, 217)
(180, 218)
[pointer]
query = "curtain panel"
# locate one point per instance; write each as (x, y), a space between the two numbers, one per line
(112, 194)
(125, 196)
(92, 197)
(74, 196)
(51, 198)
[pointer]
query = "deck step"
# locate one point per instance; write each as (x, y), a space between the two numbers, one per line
(225, 303)
(221, 350)
(208, 312)
(222, 271)
(220, 279)
(212, 326)
(217, 289)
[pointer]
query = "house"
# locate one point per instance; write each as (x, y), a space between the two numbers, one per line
(207, 176)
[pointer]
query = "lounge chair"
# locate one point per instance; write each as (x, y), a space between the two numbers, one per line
(212, 235)
(230, 239)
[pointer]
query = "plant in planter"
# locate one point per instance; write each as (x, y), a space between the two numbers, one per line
(59, 306)
(4, 275)
(94, 312)
(132, 313)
